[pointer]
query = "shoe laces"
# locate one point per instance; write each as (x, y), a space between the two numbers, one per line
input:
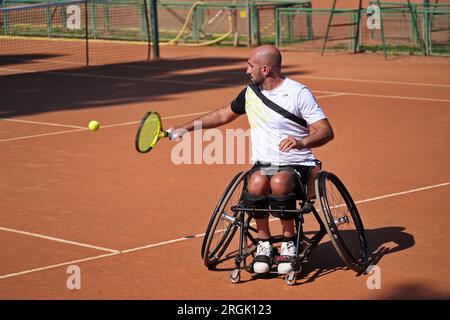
(288, 249)
(264, 248)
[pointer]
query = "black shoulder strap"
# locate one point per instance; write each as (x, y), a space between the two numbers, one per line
(272, 105)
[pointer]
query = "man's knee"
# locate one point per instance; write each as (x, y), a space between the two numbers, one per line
(258, 184)
(282, 183)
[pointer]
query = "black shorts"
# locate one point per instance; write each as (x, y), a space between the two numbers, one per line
(301, 173)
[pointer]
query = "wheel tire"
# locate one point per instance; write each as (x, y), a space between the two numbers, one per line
(220, 231)
(342, 220)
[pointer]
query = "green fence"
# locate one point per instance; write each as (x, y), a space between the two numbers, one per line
(305, 29)
(125, 19)
(284, 23)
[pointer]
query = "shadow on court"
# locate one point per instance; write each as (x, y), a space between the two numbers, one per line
(17, 59)
(118, 84)
(325, 260)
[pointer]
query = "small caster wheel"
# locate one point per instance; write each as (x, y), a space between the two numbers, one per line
(290, 278)
(235, 276)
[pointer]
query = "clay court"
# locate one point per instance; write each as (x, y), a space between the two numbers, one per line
(134, 223)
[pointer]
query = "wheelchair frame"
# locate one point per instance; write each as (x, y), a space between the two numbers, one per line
(240, 218)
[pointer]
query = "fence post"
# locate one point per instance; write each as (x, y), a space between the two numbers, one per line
(309, 22)
(142, 17)
(352, 34)
(277, 27)
(94, 19)
(155, 30)
(427, 31)
(86, 26)
(413, 35)
(106, 15)
(255, 27)
(195, 29)
(6, 23)
(48, 19)
(290, 27)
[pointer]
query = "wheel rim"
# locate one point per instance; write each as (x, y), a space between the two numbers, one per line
(223, 229)
(344, 222)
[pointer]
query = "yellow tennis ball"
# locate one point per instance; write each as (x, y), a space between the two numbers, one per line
(93, 125)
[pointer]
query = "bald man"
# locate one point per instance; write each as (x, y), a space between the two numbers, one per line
(281, 146)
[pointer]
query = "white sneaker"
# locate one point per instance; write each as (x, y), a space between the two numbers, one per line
(287, 254)
(264, 257)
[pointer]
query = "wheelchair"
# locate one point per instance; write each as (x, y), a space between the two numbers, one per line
(231, 226)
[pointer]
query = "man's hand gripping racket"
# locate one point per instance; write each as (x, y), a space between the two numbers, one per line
(150, 131)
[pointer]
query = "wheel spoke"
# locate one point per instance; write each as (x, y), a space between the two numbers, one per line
(343, 218)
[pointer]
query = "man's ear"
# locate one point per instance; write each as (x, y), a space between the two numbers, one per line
(266, 70)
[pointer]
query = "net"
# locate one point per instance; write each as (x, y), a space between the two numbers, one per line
(305, 29)
(43, 36)
(72, 34)
(437, 24)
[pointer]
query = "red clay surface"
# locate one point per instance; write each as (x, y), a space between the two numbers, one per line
(391, 120)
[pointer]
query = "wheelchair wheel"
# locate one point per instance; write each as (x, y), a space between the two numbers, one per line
(222, 228)
(343, 223)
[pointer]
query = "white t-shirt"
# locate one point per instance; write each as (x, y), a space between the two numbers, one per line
(268, 128)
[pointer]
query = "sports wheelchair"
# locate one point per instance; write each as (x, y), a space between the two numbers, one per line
(341, 221)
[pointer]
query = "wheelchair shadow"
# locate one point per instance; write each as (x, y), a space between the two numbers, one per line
(383, 241)
(324, 259)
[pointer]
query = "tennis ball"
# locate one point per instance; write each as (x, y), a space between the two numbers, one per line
(93, 125)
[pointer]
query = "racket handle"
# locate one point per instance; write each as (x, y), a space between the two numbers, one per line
(172, 135)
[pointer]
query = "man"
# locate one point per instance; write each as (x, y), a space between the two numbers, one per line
(281, 143)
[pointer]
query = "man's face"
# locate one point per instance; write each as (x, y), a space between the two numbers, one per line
(256, 71)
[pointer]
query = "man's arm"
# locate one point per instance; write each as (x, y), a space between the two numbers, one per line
(213, 119)
(321, 132)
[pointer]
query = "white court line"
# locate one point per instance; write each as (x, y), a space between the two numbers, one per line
(127, 123)
(403, 192)
(224, 71)
(194, 114)
(42, 135)
(106, 126)
(388, 96)
(10, 275)
(210, 84)
(377, 81)
(99, 76)
(196, 83)
(198, 236)
(37, 235)
(43, 123)
(161, 243)
(163, 118)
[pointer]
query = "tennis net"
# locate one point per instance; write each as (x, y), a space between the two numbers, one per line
(72, 34)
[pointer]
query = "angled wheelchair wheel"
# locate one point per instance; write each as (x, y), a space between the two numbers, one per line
(223, 224)
(343, 223)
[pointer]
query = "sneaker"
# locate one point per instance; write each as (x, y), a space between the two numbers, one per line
(264, 257)
(288, 253)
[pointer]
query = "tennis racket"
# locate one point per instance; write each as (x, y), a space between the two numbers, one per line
(149, 132)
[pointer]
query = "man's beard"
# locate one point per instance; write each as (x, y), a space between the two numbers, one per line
(256, 82)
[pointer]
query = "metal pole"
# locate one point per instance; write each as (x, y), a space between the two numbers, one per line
(154, 14)
(147, 30)
(86, 23)
(355, 48)
(330, 19)
(383, 40)
(249, 23)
